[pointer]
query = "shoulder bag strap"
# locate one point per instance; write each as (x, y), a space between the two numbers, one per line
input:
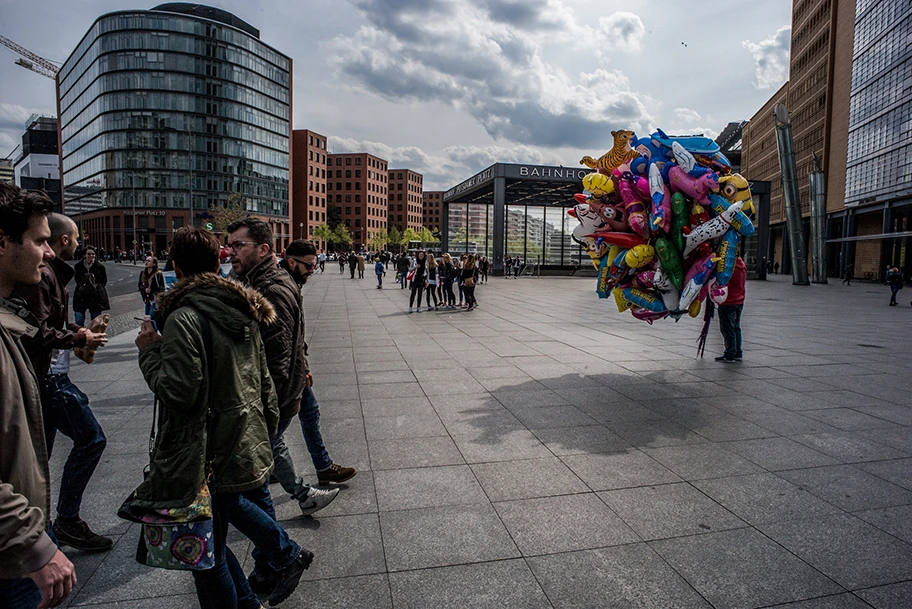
(207, 343)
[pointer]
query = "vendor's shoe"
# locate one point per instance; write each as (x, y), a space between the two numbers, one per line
(723, 358)
(336, 474)
(77, 534)
(316, 499)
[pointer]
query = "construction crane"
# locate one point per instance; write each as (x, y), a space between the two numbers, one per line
(31, 61)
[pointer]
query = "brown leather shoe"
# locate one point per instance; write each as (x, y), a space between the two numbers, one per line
(336, 474)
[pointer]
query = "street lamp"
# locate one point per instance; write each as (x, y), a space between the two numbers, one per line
(301, 234)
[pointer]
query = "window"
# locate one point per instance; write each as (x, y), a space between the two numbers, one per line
(358, 161)
(348, 173)
(357, 173)
(338, 160)
(348, 210)
(348, 161)
(357, 198)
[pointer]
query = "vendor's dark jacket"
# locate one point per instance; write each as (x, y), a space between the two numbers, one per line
(48, 301)
(240, 394)
(99, 300)
(24, 476)
(286, 351)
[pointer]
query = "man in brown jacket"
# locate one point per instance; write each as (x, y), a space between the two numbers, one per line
(33, 572)
(64, 407)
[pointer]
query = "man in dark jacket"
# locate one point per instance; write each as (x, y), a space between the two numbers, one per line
(91, 292)
(65, 407)
(235, 400)
(402, 267)
(32, 569)
(251, 244)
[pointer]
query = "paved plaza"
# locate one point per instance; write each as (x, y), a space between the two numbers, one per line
(547, 451)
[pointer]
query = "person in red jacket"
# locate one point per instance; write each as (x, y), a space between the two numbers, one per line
(730, 314)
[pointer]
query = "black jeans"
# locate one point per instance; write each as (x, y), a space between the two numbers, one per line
(417, 288)
(431, 291)
(448, 293)
(224, 586)
(730, 324)
(66, 409)
(469, 291)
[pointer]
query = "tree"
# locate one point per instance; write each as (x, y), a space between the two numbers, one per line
(394, 236)
(324, 233)
(427, 236)
(333, 215)
(378, 240)
(224, 214)
(409, 234)
(342, 237)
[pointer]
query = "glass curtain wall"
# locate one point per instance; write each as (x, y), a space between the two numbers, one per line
(537, 234)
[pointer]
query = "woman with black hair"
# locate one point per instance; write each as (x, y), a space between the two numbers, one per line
(419, 279)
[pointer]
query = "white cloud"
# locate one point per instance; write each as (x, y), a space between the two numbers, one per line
(12, 125)
(771, 57)
(624, 31)
(485, 57)
(455, 164)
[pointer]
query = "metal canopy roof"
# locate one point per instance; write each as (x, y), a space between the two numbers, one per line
(540, 185)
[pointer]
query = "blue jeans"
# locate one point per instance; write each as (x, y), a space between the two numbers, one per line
(80, 316)
(224, 586)
(149, 308)
(730, 324)
(255, 517)
(19, 594)
(380, 279)
(894, 289)
(310, 427)
(66, 409)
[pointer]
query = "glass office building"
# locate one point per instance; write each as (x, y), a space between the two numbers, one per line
(879, 164)
(165, 113)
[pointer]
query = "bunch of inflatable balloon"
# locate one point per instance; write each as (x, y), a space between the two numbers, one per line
(661, 219)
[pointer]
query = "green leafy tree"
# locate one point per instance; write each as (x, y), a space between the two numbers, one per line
(224, 214)
(378, 240)
(324, 233)
(343, 238)
(427, 236)
(394, 236)
(333, 215)
(409, 234)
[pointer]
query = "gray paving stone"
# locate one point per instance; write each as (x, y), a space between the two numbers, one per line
(441, 536)
(528, 478)
(540, 417)
(897, 471)
(483, 446)
(580, 440)
(669, 510)
(402, 489)
(414, 452)
(779, 453)
(339, 409)
(655, 434)
(389, 390)
(895, 596)
(847, 549)
(478, 586)
(622, 577)
(764, 498)
(404, 426)
(606, 471)
(700, 461)
(343, 545)
(742, 568)
(340, 593)
(836, 601)
(848, 487)
(546, 525)
(849, 419)
(896, 521)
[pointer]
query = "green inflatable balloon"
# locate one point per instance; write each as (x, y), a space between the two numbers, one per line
(670, 257)
(679, 219)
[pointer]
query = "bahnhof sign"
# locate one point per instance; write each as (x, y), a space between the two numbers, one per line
(515, 210)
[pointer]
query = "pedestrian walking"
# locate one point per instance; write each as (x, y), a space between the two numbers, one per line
(216, 421)
(508, 267)
(847, 275)
(151, 283)
(64, 407)
(895, 281)
(730, 314)
(402, 269)
(776, 267)
(342, 259)
(352, 263)
(90, 293)
(517, 263)
(483, 267)
(33, 570)
(361, 266)
(380, 271)
(322, 259)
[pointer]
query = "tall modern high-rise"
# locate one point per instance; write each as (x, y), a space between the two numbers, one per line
(850, 106)
(166, 112)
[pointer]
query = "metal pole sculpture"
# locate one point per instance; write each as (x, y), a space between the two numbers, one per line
(789, 172)
(818, 223)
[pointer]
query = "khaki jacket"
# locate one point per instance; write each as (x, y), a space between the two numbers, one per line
(24, 477)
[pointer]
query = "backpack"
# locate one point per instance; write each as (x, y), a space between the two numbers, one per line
(89, 287)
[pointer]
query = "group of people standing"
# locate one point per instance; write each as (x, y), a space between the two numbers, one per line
(431, 278)
(219, 427)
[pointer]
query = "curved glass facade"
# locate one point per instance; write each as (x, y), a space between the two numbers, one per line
(168, 110)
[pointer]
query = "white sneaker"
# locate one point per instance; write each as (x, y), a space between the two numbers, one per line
(410, 309)
(316, 500)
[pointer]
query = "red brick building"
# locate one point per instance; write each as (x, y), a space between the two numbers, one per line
(357, 183)
(431, 209)
(308, 193)
(405, 192)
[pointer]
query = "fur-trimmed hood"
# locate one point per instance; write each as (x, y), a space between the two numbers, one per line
(226, 302)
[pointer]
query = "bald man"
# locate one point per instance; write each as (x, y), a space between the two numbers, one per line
(64, 406)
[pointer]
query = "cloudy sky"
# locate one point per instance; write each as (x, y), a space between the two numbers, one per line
(447, 87)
